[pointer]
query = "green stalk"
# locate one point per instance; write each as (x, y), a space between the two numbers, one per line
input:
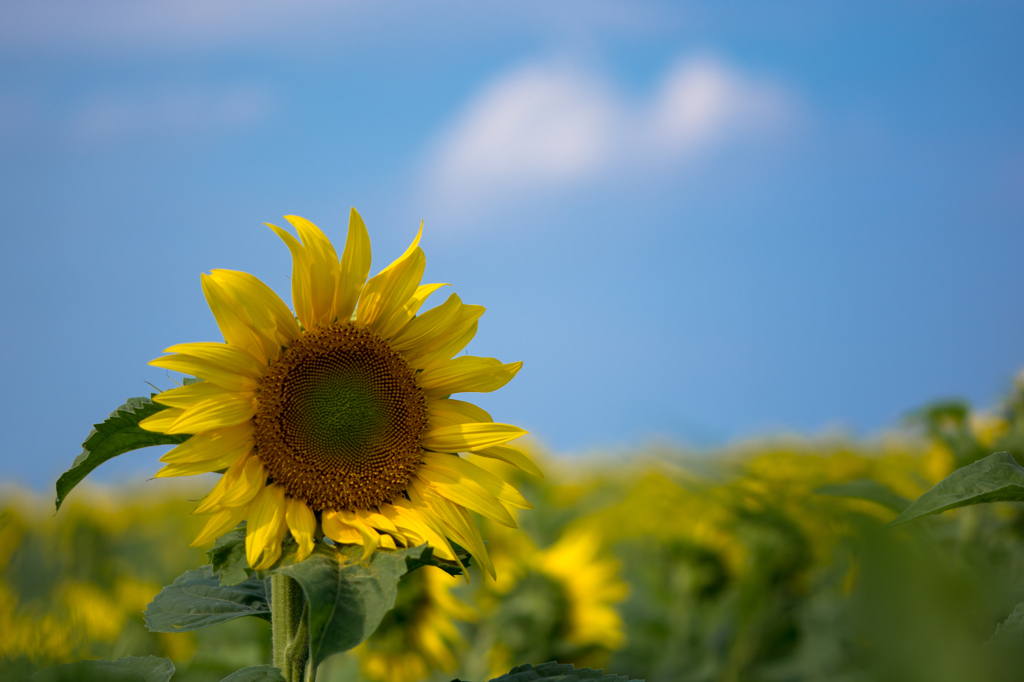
(289, 628)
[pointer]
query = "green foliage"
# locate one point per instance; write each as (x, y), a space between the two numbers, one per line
(555, 672)
(130, 669)
(698, 616)
(970, 435)
(256, 673)
(227, 558)
(996, 478)
(118, 434)
(427, 558)
(347, 597)
(866, 489)
(1012, 629)
(198, 600)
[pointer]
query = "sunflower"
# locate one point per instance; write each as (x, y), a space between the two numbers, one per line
(556, 603)
(419, 635)
(340, 415)
(592, 586)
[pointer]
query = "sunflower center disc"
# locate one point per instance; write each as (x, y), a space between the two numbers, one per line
(339, 419)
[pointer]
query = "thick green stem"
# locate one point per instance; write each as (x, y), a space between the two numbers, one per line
(289, 627)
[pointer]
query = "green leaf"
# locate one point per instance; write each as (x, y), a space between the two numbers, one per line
(119, 434)
(256, 673)
(866, 489)
(227, 558)
(1012, 629)
(131, 669)
(196, 600)
(997, 478)
(428, 559)
(557, 672)
(347, 597)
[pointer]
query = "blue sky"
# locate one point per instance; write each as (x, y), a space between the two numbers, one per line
(694, 222)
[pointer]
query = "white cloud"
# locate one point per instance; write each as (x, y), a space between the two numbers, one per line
(172, 112)
(701, 102)
(544, 124)
(546, 127)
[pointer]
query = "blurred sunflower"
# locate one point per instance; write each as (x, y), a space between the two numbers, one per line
(592, 586)
(341, 412)
(419, 635)
(557, 603)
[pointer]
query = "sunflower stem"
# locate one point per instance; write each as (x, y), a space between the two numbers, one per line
(298, 651)
(289, 627)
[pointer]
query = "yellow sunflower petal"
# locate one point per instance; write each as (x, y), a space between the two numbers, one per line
(389, 533)
(513, 456)
(263, 309)
(323, 269)
(371, 539)
(239, 485)
(187, 396)
(421, 295)
(427, 325)
(220, 523)
(444, 343)
(355, 265)
(465, 374)
(216, 413)
(273, 550)
(211, 445)
(338, 530)
(469, 437)
(377, 520)
(233, 324)
(411, 530)
(265, 527)
(252, 478)
(302, 524)
(447, 351)
(472, 475)
(218, 363)
(301, 295)
(470, 495)
(162, 420)
(461, 526)
(447, 411)
(204, 466)
(414, 246)
(230, 359)
(413, 522)
(383, 304)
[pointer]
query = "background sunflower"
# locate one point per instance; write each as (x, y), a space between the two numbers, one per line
(421, 634)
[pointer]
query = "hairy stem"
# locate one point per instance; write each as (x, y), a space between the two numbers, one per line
(289, 628)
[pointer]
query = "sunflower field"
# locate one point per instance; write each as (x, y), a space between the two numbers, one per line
(366, 525)
(768, 561)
